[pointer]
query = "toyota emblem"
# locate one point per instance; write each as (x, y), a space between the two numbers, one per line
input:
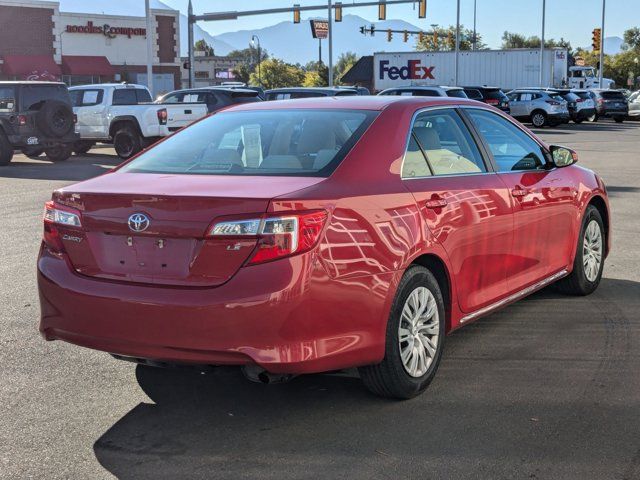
(138, 222)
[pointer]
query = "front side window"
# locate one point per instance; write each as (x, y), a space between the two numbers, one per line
(512, 149)
(441, 144)
(294, 142)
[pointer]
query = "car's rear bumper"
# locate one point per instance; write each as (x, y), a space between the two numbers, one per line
(26, 140)
(286, 316)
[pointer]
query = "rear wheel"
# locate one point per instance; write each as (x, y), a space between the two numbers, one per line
(6, 150)
(589, 261)
(618, 119)
(539, 119)
(59, 153)
(127, 142)
(414, 338)
(593, 118)
(33, 152)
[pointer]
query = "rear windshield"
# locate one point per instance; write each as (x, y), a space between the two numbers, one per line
(456, 93)
(583, 95)
(7, 99)
(495, 94)
(612, 95)
(473, 93)
(33, 96)
(297, 142)
(570, 97)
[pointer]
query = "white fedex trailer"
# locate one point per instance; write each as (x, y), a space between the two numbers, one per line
(506, 69)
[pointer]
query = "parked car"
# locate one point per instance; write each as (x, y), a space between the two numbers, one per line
(214, 98)
(634, 105)
(541, 108)
(299, 237)
(36, 118)
(122, 114)
(426, 91)
(292, 93)
(489, 95)
(579, 103)
(236, 85)
(610, 104)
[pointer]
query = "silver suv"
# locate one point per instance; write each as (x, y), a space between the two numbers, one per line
(426, 91)
(538, 107)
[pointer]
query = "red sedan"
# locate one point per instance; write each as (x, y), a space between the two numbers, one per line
(317, 235)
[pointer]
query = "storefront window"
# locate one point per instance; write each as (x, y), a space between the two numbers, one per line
(72, 80)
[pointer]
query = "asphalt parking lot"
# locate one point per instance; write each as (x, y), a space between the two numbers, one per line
(548, 388)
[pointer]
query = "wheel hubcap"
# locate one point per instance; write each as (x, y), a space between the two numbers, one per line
(538, 120)
(418, 332)
(592, 251)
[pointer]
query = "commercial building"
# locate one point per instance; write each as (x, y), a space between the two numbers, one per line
(209, 70)
(40, 42)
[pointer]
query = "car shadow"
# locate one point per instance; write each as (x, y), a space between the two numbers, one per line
(76, 168)
(490, 412)
(570, 128)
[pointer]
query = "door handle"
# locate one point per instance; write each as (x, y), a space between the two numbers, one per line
(436, 203)
(519, 192)
(187, 112)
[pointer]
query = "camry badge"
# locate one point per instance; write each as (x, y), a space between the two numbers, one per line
(138, 222)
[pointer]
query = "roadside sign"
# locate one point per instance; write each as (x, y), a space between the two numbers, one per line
(319, 28)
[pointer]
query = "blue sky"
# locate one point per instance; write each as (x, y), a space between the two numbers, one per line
(571, 19)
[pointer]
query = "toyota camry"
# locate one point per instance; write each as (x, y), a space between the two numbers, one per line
(311, 236)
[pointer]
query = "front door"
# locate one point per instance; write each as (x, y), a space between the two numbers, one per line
(465, 206)
(543, 200)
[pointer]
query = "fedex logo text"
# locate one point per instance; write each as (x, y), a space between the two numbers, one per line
(413, 71)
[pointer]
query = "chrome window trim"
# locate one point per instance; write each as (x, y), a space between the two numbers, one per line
(406, 145)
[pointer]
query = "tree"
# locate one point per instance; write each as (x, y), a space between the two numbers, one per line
(313, 79)
(517, 40)
(247, 59)
(446, 40)
(202, 46)
(632, 38)
(345, 61)
(322, 71)
(275, 73)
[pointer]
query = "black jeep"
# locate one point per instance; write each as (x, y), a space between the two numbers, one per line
(36, 118)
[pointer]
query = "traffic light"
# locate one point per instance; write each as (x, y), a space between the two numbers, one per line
(296, 13)
(389, 35)
(422, 9)
(372, 30)
(435, 39)
(595, 39)
(421, 37)
(338, 11)
(405, 36)
(382, 10)
(362, 30)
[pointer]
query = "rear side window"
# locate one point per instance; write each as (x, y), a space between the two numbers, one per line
(7, 99)
(124, 96)
(86, 98)
(456, 93)
(473, 93)
(583, 95)
(495, 94)
(269, 142)
(441, 144)
(33, 96)
(512, 149)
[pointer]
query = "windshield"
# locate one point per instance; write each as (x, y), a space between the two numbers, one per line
(296, 142)
(33, 96)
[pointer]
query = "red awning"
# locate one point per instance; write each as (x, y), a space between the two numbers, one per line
(31, 67)
(86, 65)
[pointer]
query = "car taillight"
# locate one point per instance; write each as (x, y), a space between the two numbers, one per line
(75, 118)
(600, 101)
(493, 101)
(579, 100)
(55, 215)
(278, 237)
(162, 116)
(22, 120)
(552, 102)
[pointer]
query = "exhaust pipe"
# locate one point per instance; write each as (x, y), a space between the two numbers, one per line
(258, 374)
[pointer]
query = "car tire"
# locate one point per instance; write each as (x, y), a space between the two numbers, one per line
(127, 142)
(82, 146)
(589, 260)
(578, 120)
(55, 118)
(60, 152)
(539, 119)
(618, 119)
(398, 375)
(6, 150)
(593, 118)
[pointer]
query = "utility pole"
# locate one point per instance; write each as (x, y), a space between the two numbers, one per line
(457, 64)
(601, 46)
(149, 46)
(190, 40)
(541, 78)
(475, 13)
(330, 40)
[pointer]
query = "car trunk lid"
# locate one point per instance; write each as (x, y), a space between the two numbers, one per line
(152, 228)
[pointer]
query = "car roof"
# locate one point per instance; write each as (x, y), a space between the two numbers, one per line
(218, 89)
(354, 102)
(307, 89)
(482, 87)
(114, 85)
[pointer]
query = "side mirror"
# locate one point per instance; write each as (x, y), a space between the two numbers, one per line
(563, 156)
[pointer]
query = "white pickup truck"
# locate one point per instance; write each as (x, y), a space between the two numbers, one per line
(122, 114)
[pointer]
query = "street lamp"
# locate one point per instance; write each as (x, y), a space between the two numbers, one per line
(256, 40)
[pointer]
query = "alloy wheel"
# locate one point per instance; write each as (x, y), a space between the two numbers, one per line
(418, 332)
(592, 251)
(538, 120)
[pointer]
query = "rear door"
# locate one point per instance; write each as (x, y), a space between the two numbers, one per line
(89, 107)
(465, 205)
(544, 213)
(517, 101)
